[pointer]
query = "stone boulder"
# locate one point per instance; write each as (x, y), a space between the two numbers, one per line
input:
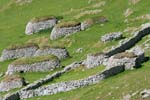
(111, 36)
(18, 51)
(34, 64)
(38, 24)
(11, 82)
(61, 53)
(63, 29)
(94, 60)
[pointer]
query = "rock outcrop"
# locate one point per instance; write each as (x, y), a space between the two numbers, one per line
(11, 82)
(41, 64)
(61, 53)
(63, 29)
(111, 36)
(39, 24)
(27, 50)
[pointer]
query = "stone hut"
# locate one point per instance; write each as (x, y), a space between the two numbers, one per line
(130, 59)
(61, 53)
(34, 64)
(94, 60)
(65, 28)
(11, 82)
(18, 51)
(40, 23)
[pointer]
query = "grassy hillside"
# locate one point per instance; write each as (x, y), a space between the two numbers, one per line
(14, 17)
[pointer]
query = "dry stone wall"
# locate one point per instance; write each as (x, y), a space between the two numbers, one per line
(18, 53)
(70, 85)
(58, 32)
(61, 53)
(35, 27)
(127, 44)
(42, 66)
(11, 83)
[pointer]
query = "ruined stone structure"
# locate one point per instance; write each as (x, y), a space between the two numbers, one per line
(58, 32)
(38, 24)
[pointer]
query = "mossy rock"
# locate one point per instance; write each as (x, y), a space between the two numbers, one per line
(125, 54)
(42, 18)
(20, 46)
(68, 24)
(33, 60)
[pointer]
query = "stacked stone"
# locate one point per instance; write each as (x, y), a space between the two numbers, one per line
(11, 82)
(38, 24)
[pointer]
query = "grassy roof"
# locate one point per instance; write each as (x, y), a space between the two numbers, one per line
(67, 24)
(20, 46)
(42, 18)
(35, 59)
(9, 78)
(47, 46)
(125, 54)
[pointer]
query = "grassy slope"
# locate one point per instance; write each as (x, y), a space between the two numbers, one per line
(14, 18)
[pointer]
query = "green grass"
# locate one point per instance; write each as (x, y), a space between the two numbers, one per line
(35, 59)
(78, 73)
(113, 88)
(13, 19)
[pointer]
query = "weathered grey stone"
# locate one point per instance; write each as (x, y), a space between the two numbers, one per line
(111, 36)
(11, 82)
(70, 85)
(94, 60)
(61, 53)
(145, 93)
(18, 53)
(128, 43)
(130, 59)
(34, 67)
(34, 27)
(58, 32)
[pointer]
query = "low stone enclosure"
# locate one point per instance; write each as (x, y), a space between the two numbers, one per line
(94, 60)
(65, 28)
(34, 64)
(71, 27)
(40, 23)
(16, 51)
(11, 82)
(135, 54)
(111, 36)
(128, 43)
(29, 50)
